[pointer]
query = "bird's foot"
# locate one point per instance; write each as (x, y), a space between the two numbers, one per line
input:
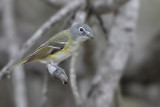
(57, 72)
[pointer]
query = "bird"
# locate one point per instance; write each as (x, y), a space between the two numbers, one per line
(59, 47)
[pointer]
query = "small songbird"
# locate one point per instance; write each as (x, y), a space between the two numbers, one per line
(61, 46)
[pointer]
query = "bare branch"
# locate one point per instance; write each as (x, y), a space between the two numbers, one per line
(80, 17)
(111, 67)
(97, 6)
(38, 34)
(10, 32)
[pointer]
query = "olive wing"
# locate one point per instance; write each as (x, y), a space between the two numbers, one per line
(53, 45)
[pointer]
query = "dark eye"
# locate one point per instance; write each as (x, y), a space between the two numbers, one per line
(81, 29)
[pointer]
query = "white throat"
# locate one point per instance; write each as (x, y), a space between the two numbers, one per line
(77, 43)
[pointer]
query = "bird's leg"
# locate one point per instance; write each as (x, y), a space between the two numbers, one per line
(57, 72)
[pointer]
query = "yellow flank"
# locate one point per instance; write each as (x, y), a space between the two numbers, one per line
(63, 54)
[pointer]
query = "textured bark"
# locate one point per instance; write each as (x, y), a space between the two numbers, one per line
(121, 38)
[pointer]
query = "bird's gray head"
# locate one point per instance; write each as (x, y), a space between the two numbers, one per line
(81, 32)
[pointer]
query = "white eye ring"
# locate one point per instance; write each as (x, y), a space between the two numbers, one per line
(81, 29)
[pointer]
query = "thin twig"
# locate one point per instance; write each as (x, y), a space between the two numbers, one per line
(73, 81)
(80, 17)
(38, 34)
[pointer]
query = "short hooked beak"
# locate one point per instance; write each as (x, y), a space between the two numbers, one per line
(89, 34)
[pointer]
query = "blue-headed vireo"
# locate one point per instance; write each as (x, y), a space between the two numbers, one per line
(61, 46)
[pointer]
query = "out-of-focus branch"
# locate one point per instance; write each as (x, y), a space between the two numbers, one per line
(106, 6)
(10, 32)
(67, 21)
(116, 55)
(38, 34)
(19, 87)
(80, 18)
(73, 80)
(58, 3)
(102, 24)
(97, 6)
(44, 91)
(1, 4)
